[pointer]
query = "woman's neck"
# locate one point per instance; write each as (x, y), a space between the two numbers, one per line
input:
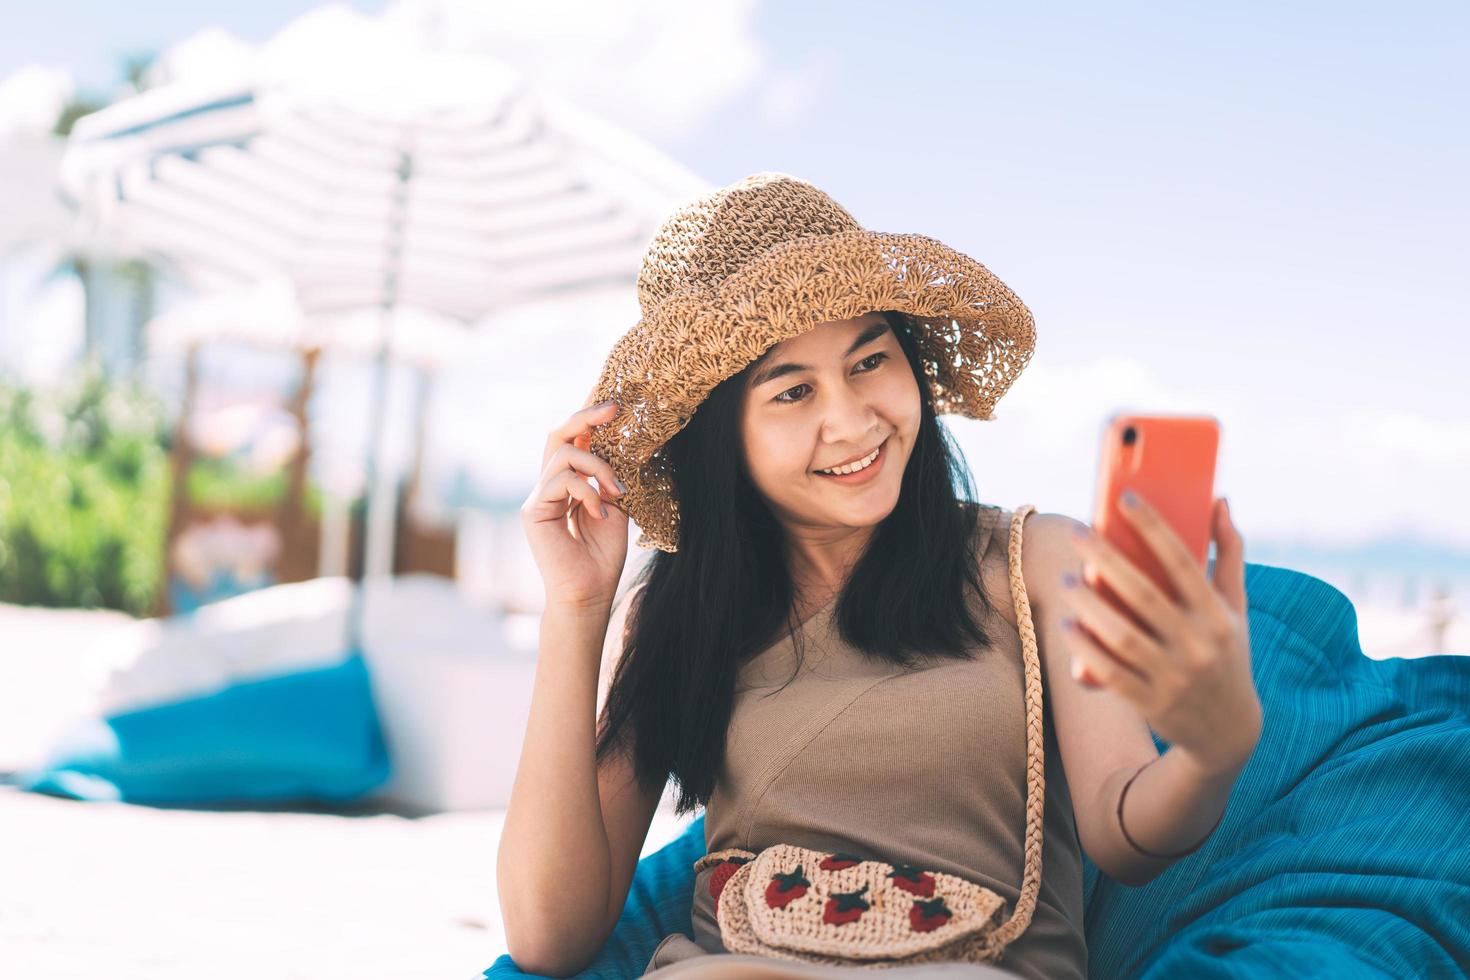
(821, 562)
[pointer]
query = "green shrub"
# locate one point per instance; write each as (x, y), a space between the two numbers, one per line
(84, 487)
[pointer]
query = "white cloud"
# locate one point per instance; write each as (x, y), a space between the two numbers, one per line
(1293, 470)
(655, 66)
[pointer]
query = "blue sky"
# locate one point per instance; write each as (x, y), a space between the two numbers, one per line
(1243, 209)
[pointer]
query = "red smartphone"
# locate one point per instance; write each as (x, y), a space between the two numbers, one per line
(1168, 460)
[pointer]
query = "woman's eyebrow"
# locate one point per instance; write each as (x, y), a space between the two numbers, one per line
(773, 371)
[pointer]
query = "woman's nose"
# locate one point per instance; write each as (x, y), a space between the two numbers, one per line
(849, 418)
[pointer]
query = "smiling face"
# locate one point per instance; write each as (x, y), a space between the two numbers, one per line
(826, 397)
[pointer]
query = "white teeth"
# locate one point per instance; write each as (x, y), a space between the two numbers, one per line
(861, 464)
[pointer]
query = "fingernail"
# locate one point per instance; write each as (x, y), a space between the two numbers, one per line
(1080, 533)
(1130, 499)
(1068, 579)
(603, 508)
(619, 484)
(1069, 622)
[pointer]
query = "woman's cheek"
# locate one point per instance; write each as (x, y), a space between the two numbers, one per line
(907, 406)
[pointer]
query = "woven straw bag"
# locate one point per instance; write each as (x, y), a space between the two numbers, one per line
(796, 903)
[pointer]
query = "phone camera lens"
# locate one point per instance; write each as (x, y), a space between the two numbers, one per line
(1130, 436)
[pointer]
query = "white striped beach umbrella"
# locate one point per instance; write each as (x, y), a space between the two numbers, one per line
(443, 183)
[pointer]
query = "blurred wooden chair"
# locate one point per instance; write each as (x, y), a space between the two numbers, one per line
(419, 547)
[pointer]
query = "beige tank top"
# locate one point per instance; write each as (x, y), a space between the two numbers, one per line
(923, 766)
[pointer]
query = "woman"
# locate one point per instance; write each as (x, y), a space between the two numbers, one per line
(831, 648)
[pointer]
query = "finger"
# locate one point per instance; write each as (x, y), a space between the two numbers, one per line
(588, 464)
(579, 423)
(1148, 602)
(559, 496)
(1178, 563)
(566, 480)
(1107, 671)
(582, 492)
(1131, 647)
(1229, 574)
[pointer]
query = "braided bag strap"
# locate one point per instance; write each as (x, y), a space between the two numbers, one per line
(1035, 747)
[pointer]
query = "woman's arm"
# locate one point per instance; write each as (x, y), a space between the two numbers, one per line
(1184, 662)
(1172, 805)
(561, 884)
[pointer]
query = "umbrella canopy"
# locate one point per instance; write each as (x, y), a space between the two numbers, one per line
(502, 195)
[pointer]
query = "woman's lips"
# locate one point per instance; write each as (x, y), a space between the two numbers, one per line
(863, 475)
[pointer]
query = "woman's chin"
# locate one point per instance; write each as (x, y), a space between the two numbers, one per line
(861, 510)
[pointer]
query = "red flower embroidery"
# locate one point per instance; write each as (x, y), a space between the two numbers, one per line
(838, 861)
(845, 907)
(786, 888)
(912, 879)
(926, 916)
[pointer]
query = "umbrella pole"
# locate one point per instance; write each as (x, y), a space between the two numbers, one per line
(378, 529)
(382, 493)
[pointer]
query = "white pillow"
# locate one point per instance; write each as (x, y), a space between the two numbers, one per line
(282, 629)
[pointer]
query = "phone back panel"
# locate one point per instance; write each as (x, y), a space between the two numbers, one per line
(1171, 464)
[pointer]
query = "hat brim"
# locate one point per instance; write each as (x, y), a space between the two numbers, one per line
(974, 333)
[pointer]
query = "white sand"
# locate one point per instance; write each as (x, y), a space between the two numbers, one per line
(126, 891)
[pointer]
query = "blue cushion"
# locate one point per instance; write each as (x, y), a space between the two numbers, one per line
(300, 736)
(1342, 852)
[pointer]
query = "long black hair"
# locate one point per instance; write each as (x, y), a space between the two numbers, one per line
(727, 593)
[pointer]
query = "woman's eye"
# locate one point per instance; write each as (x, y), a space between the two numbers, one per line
(877, 359)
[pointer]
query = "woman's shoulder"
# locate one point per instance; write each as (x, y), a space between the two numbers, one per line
(985, 509)
(995, 521)
(993, 529)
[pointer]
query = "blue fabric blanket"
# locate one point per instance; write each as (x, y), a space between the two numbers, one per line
(1344, 851)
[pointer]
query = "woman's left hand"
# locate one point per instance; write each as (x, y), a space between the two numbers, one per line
(1189, 673)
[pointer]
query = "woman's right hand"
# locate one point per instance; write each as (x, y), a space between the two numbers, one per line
(580, 553)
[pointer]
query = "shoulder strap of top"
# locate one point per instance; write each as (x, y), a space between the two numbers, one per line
(1035, 760)
(985, 529)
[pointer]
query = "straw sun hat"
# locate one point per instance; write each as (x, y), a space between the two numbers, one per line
(735, 272)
